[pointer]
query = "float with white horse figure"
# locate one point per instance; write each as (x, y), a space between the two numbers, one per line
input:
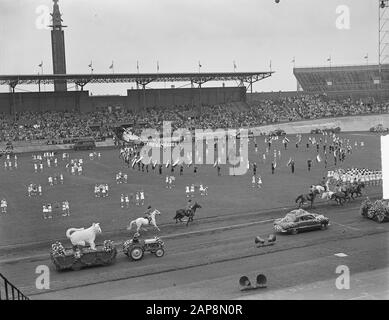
(85, 253)
(81, 255)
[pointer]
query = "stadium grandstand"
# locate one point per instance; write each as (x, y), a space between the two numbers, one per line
(370, 80)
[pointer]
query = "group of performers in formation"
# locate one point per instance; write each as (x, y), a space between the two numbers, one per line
(8, 164)
(138, 199)
(55, 179)
(75, 166)
(47, 209)
(121, 177)
(101, 190)
(191, 190)
(3, 205)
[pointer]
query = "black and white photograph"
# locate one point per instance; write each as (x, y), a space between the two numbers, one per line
(194, 156)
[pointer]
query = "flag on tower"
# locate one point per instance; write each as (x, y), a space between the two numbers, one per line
(41, 64)
(157, 66)
(90, 65)
(111, 66)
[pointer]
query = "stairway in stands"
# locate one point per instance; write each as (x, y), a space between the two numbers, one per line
(8, 291)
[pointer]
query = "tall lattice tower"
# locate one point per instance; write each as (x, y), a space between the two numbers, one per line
(58, 47)
(383, 33)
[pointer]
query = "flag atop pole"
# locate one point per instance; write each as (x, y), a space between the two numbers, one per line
(41, 64)
(318, 159)
(234, 65)
(176, 162)
(157, 66)
(111, 66)
(366, 57)
(290, 160)
(137, 65)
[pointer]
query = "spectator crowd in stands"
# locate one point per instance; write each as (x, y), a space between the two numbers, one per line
(29, 126)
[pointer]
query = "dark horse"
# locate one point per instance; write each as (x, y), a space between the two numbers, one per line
(304, 198)
(180, 213)
(356, 189)
(340, 197)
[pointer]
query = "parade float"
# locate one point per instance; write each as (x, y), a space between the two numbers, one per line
(81, 255)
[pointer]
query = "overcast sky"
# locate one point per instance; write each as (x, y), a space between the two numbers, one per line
(179, 33)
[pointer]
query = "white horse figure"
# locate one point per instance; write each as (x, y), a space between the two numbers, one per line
(79, 237)
(145, 222)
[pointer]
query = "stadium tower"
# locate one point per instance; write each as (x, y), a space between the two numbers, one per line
(58, 47)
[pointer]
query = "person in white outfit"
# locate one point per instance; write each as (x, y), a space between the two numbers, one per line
(3, 205)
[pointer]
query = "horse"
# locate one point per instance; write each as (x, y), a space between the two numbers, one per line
(303, 198)
(327, 195)
(145, 222)
(356, 189)
(340, 196)
(79, 237)
(319, 188)
(180, 213)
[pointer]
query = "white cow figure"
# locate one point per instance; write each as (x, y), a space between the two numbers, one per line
(82, 236)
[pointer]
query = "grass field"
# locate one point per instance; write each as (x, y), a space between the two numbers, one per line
(226, 194)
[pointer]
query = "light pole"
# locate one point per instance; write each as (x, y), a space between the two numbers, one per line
(383, 34)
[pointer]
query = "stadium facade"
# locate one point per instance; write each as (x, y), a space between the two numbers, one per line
(136, 100)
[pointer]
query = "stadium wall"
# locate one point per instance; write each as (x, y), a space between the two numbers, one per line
(44, 101)
(136, 100)
(184, 96)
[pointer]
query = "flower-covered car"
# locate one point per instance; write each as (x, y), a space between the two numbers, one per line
(300, 220)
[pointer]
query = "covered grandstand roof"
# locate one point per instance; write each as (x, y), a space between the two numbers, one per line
(343, 78)
(141, 78)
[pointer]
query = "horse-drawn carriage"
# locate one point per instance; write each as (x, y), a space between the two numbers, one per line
(135, 248)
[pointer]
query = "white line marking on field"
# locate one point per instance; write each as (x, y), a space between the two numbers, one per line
(340, 254)
(343, 225)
